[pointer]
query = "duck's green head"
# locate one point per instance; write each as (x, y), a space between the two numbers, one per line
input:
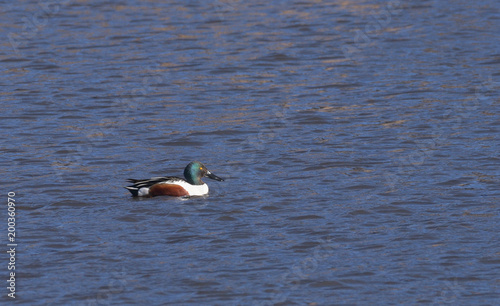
(194, 171)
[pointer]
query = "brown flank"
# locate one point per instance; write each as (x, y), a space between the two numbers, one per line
(167, 189)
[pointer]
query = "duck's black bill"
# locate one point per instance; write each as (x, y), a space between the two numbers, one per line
(214, 177)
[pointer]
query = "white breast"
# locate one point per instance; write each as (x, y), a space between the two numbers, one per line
(194, 190)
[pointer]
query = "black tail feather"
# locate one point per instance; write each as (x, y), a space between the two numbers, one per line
(133, 190)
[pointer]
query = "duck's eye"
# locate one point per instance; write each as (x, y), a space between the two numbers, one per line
(201, 168)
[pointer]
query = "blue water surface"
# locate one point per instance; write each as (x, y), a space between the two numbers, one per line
(357, 139)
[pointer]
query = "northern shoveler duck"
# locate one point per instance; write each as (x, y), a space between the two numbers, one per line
(175, 186)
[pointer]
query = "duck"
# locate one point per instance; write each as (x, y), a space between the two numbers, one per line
(174, 186)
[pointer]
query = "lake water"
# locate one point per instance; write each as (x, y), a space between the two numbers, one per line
(358, 140)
